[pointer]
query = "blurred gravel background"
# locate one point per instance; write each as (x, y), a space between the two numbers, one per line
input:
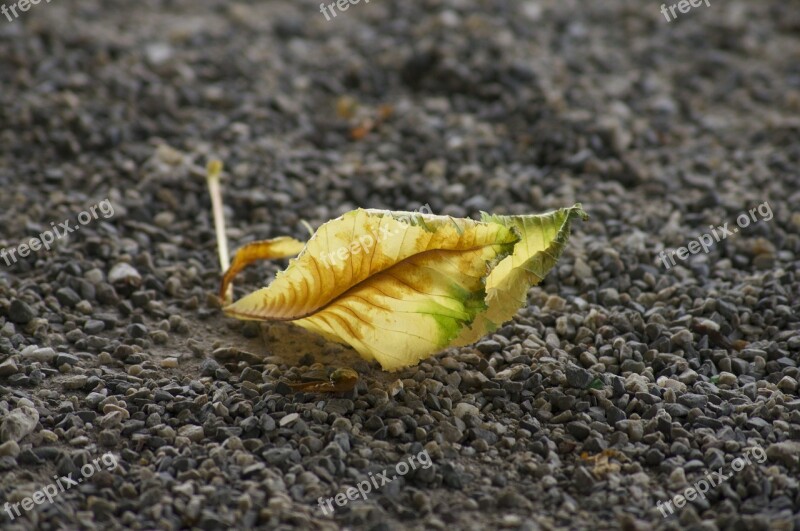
(620, 385)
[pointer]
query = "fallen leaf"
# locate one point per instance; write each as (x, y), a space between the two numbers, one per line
(346, 107)
(383, 113)
(282, 247)
(401, 286)
(602, 467)
(341, 381)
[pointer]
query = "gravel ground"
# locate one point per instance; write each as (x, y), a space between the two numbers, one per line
(619, 386)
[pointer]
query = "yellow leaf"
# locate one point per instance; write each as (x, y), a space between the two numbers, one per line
(282, 247)
(400, 286)
(543, 239)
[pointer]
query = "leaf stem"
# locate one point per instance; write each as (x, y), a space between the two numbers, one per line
(213, 172)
